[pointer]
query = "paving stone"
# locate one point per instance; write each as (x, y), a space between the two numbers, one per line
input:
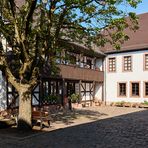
(119, 128)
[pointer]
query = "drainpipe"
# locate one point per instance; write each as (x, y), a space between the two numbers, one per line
(105, 93)
(103, 81)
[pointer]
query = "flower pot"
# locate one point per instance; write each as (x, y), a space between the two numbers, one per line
(74, 105)
(143, 106)
(127, 104)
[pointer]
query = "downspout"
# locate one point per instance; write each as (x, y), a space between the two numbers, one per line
(105, 93)
(102, 83)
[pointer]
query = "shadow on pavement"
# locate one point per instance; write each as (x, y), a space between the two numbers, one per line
(68, 117)
(128, 131)
(60, 117)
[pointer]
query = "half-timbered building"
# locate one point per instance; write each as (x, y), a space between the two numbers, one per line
(79, 71)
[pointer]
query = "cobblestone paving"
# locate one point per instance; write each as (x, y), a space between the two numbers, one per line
(122, 131)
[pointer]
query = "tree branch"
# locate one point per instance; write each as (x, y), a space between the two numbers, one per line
(30, 15)
(60, 23)
(13, 7)
(9, 74)
(77, 6)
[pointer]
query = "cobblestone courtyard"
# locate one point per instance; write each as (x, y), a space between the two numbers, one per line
(99, 127)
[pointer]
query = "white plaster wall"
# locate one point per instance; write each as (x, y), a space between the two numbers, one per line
(2, 92)
(99, 64)
(3, 103)
(137, 74)
(98, 91)
(87, 98)
(34, 101)
(99, 86)
(4, 43)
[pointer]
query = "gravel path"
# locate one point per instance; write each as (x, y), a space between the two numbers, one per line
(99, 127)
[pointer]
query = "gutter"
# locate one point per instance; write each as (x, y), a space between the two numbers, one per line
(123, 51)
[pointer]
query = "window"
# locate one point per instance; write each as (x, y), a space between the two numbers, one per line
(70, 88)
(135, 89)
(122, 89)
(146, 89)
(112, 64)
(146, 62)
(87, 62)
(51, 88)
(127, 63)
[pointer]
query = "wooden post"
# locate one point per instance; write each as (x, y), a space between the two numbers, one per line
(103, 93)
(63, 91)
(94, 86)
(80, 99)
(7, 102)
(102, 65)
(93, 92)
(40, 92)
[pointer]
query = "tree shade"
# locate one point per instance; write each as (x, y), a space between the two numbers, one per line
(33, 29)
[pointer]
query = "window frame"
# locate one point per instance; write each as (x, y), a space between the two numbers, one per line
(112, 65)
(144, 62)
(123, 64)
(144, 88)
(131, 95)
(118, 89)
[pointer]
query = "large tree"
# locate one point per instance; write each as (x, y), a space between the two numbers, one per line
(34, 29)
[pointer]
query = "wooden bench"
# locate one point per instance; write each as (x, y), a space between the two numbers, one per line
(42, 116)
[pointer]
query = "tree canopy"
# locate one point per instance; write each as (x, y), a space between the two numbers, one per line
(34, 29)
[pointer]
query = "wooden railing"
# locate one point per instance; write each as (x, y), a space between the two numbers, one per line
(77, 73)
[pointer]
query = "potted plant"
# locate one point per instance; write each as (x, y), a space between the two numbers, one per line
(119, 104)
(112, 104)
(74, 98)
(144, 104)
(127, 104)
(135, 105)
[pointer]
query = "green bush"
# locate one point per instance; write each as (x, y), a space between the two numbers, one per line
(121, 103)
(51, 99)
(74, 98)
(145, 103)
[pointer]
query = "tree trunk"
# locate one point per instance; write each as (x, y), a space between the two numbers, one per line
(25, 109)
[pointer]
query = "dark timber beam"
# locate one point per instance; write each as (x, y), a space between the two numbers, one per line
(63, 92)
(80, 97)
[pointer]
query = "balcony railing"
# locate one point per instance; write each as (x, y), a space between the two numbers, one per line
(77, 73)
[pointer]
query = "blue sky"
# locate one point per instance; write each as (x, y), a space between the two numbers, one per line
(142, 7)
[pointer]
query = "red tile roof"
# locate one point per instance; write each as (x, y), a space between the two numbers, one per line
(138, 40)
